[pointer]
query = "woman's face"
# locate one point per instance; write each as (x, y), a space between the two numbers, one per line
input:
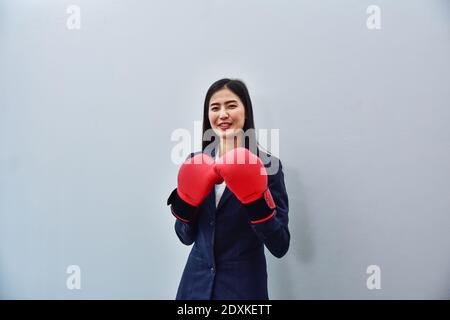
(226, 113)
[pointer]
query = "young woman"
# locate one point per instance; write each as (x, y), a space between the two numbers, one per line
(229, 203)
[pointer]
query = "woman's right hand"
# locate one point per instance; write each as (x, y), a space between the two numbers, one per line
(196, 178)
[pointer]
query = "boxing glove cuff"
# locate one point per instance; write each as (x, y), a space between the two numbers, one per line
(262, 209)
(180, 208)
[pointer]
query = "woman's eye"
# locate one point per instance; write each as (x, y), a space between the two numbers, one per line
(214, 109)
(232, 106)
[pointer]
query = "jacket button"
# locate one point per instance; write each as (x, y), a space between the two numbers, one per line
(211, 223)
(213, 270)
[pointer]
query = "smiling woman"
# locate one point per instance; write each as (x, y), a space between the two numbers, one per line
(229, 210)
(226, 115)
(228, 111)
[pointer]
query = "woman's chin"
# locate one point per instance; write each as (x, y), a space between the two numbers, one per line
(226, 134)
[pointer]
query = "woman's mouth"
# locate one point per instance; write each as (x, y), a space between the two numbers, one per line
(224, 126)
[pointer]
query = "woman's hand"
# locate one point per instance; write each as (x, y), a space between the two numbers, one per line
(196, 177)
(246, 176)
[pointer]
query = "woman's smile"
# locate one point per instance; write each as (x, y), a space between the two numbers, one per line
(224, 125)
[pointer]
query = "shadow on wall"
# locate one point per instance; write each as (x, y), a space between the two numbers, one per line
(299, 225)
(287, 278)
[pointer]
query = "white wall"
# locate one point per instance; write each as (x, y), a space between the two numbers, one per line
(86, 117)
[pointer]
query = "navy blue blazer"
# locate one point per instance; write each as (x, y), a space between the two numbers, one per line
(227, 260)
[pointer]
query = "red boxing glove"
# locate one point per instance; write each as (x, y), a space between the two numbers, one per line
(245, 175)
(196, 178)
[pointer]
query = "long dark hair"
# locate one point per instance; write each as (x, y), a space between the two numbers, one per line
(239, 88)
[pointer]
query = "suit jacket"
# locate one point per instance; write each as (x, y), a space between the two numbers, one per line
(227, 260)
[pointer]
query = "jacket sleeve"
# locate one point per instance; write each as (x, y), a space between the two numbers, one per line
(274, 232)
(186, 232)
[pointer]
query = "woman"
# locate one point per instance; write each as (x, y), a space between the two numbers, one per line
(229, 203)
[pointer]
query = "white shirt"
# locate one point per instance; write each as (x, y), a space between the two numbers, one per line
(219, 188)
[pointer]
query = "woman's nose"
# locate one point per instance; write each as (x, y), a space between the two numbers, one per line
(223, 114)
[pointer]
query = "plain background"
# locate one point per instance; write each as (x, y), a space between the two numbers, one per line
(86, 118)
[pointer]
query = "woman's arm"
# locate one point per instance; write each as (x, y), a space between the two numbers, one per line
(186, 232)
(275, 232)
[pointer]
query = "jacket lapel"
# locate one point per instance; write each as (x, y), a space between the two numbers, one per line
(211, 201)
(225, 197)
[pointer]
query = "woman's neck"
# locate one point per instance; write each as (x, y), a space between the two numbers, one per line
(229, 144)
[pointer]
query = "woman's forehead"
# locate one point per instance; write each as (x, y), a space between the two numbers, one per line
(224, 96)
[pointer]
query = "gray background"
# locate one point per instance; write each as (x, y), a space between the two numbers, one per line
(86, 118)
